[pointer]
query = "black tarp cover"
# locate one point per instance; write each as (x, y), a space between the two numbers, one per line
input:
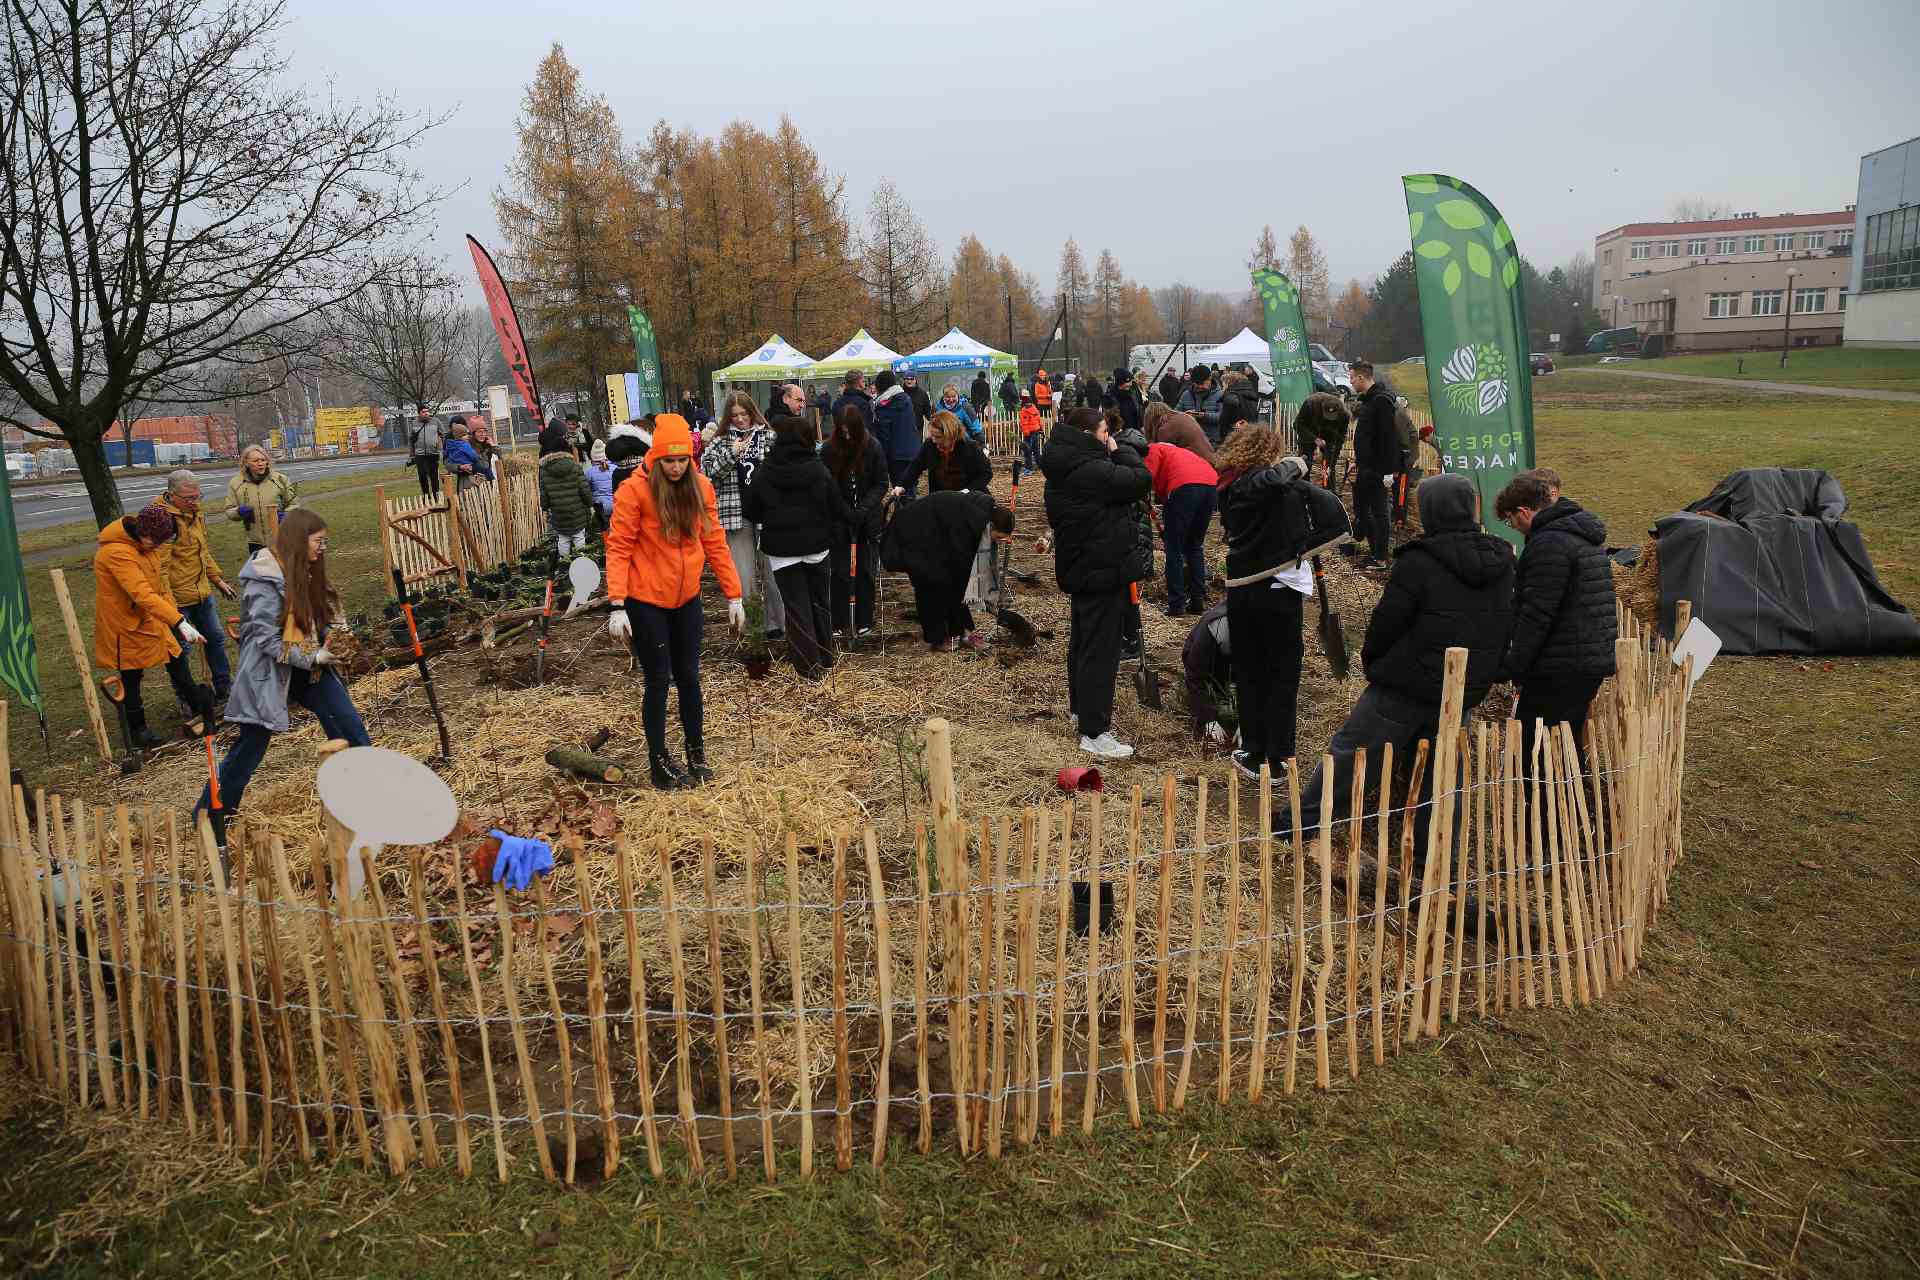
(1780, 571)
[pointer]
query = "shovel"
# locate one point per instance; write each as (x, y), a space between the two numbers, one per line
(1146, 681)
(1333, 636)
(1011, 622)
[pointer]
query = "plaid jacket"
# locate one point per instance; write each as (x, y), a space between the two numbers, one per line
(732, 471)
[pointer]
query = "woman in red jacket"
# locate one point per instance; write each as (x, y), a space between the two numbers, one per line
(665, 530)
(1186, 486)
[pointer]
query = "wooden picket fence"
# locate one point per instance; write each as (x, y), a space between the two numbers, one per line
(461, 532)
(982, 995)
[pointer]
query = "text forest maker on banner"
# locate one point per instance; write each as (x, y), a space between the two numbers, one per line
(506, 324)
(1473, 318)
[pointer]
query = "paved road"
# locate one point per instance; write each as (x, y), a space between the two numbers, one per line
(41, 506)
(1784, 388)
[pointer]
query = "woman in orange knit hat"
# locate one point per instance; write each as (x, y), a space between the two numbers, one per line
(665, 529)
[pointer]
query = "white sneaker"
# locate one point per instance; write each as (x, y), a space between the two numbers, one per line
(1106, 746)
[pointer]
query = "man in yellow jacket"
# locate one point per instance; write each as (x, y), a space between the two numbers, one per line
(193, 575)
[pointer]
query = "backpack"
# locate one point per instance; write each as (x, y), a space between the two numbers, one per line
(1408, 433)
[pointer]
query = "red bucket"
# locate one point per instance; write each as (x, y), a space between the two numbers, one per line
(1081, 779)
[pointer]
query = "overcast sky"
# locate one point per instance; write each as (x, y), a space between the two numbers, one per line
(1170, 134)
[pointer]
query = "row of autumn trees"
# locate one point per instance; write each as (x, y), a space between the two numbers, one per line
(725, 240)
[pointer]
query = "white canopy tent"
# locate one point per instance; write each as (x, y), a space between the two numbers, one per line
(1244, 347)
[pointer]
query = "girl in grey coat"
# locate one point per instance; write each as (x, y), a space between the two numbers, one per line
(286, 608)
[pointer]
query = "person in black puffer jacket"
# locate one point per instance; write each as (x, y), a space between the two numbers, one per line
(1093, 486)
(1561, 646)
(933, 540)
(858, 466)
(1376, 461)
(800, 513)
(1452, 587)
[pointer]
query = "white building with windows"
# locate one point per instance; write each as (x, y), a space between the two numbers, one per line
(1885, 283)
(1642, 249)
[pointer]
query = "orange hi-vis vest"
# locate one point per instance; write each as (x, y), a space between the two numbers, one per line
(1043, 391)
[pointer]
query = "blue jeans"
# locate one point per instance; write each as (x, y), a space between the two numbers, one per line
(1184, 521)
(1030, 447)
(321, 692)
(206, 619)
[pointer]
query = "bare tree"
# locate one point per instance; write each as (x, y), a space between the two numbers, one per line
(404, 334)
(900, 268)
(1698, 209)
(171, 207)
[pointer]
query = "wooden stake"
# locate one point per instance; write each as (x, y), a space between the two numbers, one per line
(529, 1083)
(315, 997)
(1298, 960)
(1033, 859)
(1196, 913)
(82, 666)
(1457, 885)
(1564, 789)
(449, 1052)
(403, 1007)
(842, 1074)
(767, 1161)
(236, 1020)
(150, 921)
(1096, 855)
(1482, 877)
(48, 924)
(1588, 864)
(1356, 830)
(103, 1050)
(803, 1065)
(1063, 905)
(636, 1006)
(69, 876)
(1163, 916)
(1321, 1064)
(989, 864)
(949, 838)
(883, 966)
(722, 1059)
(1437, 877)
(1383, 853)
(1550, 939)
(258, 884)
(1401, 1031)
(683, 1065)
(923, 926)
(996, 873)
(383, 1069)
(1263, 995)
(1231, 943)
(1129, 1052)
(17, 850)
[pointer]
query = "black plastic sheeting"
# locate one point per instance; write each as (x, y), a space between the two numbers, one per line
(1777, 569)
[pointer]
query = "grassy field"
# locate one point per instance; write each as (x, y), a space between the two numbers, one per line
(1820, 367)
(1745, 1103)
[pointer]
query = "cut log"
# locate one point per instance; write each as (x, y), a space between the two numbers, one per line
(586, 764)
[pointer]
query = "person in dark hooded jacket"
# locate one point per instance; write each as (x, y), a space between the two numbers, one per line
(1450, 588)
(980, 394)
(1009, 396)
(1094, 484)
(1561, 646)
(801, 513)
(859, 470)
(933, 540)
(896, 425)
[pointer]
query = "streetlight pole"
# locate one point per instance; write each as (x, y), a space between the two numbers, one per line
(1786, 329)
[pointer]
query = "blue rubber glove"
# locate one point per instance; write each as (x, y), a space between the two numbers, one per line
(520, 859)
(246, 514)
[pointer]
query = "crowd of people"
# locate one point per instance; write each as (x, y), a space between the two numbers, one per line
(775, 512)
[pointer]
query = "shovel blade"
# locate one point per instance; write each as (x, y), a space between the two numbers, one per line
(1147, 685)
(1333, 639)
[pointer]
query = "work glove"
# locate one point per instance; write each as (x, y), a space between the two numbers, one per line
(1386, 482)
(246, 514)
(619, 625)
(520, 859)
(323, 657)
(737, 615)
(1216, 733)
(188, 635)
(1297, 465)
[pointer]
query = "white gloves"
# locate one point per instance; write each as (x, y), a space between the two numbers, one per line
(1216, 733)
(1298, 466)
(896, 492)
(323, 657)
(1386, 482)
(619, 625)
(188, 634)
(737, 615)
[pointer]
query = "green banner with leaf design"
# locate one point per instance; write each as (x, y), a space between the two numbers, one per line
(1473, 317)
(1286, 328)
(646, 360)
(18, 665)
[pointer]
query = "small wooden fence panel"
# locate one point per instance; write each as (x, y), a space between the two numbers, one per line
(980, 987)
(458, 532)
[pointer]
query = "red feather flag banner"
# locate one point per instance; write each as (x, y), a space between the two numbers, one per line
(506, 323)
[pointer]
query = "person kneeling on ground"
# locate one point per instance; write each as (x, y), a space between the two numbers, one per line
(1207, 659)
(287, 606)
(666, 528)
(1322, 423)
(1273, 519)
(800, 513)
(135, 622)
(1450, 588)
(1094, 484)
(1561, 647)
(564, 494)
(934, 541)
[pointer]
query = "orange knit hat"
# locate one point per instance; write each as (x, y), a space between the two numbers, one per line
(672, 437)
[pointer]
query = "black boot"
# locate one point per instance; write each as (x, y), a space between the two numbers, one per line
(666, 774)
(697, 763)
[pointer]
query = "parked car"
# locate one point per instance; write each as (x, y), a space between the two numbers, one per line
(1624, 340)
(1414, 360)
(1542, 363)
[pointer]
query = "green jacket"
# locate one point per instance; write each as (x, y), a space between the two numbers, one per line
(272, 490)
(564, 494)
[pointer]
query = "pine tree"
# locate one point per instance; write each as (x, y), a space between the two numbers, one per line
(1109, 306)
(557, 214)
(1072, 288)
(900, 270)
(1307, 268)
(979, 303)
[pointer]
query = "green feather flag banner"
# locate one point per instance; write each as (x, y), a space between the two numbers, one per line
(1286, 340)
(18, 665)
(1473, 318)
(646, 360)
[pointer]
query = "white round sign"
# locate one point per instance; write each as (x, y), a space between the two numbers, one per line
(384, 797)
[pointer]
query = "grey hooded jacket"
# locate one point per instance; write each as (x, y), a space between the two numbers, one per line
(266, 663)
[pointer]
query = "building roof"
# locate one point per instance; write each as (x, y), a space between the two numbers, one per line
(1778, 221)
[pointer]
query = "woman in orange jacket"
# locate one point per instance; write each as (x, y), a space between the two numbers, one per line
(135, 622)
(665, 529)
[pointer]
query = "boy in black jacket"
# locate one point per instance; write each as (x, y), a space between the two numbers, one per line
(1451, 587)
(1377, 463)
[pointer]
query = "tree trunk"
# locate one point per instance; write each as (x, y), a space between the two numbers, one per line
(91, 457)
